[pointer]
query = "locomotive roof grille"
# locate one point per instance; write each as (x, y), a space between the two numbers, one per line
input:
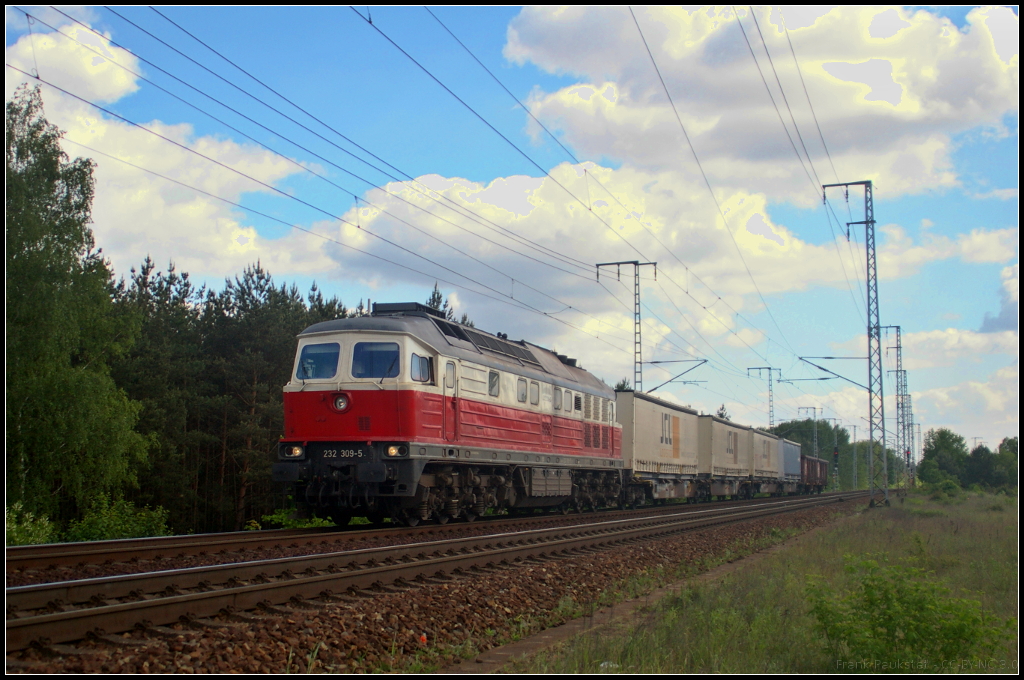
(482, 341)
(499, 346)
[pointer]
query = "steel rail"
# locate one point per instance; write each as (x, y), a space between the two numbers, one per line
(135, 549)
(235, 594)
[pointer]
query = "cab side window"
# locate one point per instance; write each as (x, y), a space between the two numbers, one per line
(558, 399)
(494, 383)
(419, 368)
(521, 390)
(449, 375)
(534, 393)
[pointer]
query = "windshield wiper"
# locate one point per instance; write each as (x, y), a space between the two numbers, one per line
(389, 370)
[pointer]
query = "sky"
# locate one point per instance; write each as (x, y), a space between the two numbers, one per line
(503, 152)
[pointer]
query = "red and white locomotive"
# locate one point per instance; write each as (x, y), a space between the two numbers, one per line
(404, 414)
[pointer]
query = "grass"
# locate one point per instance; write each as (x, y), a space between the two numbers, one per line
(759, 619)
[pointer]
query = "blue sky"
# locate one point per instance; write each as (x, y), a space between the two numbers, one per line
(921, 100)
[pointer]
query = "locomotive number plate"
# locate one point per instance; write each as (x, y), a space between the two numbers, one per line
(343, 453)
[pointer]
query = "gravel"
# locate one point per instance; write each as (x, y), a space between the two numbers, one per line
(429, 626)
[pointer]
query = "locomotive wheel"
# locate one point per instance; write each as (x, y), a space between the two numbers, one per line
(441, 517)
(470, 516)
(411, 519)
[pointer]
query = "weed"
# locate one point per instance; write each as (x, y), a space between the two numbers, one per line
(897, 610)
(107, 519)
(24, 528)
(927, 513)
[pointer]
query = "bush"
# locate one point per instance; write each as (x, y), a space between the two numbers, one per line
(896, 612)
(107, 520)
(283, 519)
(24, 528)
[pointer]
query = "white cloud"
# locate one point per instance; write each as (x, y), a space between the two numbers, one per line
(1009, 293)
(986, 408)
(944, 348)
(900, 256)
(135, 213)
(86, 71)
(890, 88)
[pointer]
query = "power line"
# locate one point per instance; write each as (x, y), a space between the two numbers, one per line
(536, 311)
(548, 252)
(496, 131)
(815, 181)
(806, 94)
(610, 193)
(706, 181)
(525, 108)
(517, 305)
(347, 191)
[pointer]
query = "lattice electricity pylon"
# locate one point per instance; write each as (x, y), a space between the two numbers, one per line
(902, 446)
(771, 392)
(638, 371)
(878, 461)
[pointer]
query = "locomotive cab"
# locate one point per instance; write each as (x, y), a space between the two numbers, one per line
(350, 404)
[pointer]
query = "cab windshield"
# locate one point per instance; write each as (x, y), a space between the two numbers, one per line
(375, 360)
(318, 362)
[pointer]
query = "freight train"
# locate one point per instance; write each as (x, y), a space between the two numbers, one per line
(407, 415)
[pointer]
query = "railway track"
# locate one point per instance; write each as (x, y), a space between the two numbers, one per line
(55, 555)
(62, 612)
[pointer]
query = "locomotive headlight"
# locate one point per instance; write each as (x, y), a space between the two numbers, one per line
(395, 451)
(341, 402)
(293, 452)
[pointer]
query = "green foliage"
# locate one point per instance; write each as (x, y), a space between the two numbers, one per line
(441, 304)
(946, 458)
(70, 429)
(24, 528)
(283, 518)
(896, 611)
(624, 385)
(106, 520)
(208, 369)
(722, 413)
(948, 450)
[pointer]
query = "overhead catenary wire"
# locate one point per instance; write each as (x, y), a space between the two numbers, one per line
(587, 177)
(514, 303)
(815, 181)
(444, 199)
(588, 204)
(658, 320)
(707, 182)
(470, 108)
(348, 191)
(518, 303)
(292, 103)
(362, 148)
